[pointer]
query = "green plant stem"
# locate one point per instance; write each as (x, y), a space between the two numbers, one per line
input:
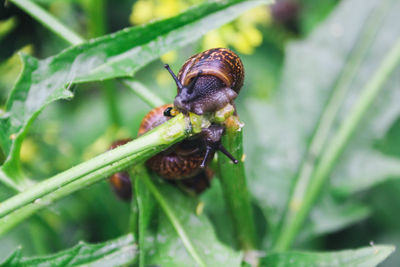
(326, 121)
(134, 216)
(154, 141)
(110, 97)
(11, 220)
(97, 22)
(143, 92)
(234, 187)
(299, 211)
(172, 218)
(97, 26)
(134, 213)
(145, 206)
(48, 21)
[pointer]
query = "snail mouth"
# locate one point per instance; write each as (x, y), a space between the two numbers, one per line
(181, 105)
(183, 101)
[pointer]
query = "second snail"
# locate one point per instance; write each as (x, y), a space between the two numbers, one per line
(207, 83)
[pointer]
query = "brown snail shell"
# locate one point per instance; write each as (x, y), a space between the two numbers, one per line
(180, 161)
(120, 182)
(220, 62)
(208, 81)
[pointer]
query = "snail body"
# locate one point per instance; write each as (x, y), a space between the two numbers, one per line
(208, 81)
(180, 161)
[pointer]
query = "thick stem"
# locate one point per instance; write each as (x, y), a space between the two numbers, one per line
(234, 186)
(13, 219)
(298, 211)
(149, 144)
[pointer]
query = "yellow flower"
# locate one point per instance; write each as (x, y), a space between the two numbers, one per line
(142, 12)
(213, 39)
(163, 77)
(28, 150)
(242, 34)
(169, 57)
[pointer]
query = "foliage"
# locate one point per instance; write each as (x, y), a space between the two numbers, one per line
(120, 251)
(309, 85)
(370, 256)
(321, 150)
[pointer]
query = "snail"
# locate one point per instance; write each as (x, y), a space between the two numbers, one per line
(120, 182)
(183, 162)
(207, 82)
(179, 162)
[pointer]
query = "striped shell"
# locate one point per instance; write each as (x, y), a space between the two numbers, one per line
(220, 62)
(182, 160)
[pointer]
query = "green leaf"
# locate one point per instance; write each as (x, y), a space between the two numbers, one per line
(115, 55)
(330, 215)
(341, 55)
(121, 251)
(363, 170)
(363, 257)
(391, 142)
(159, 242)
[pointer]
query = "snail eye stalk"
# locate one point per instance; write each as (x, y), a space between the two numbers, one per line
(221, 148)
(178, 83)
(226, 153)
